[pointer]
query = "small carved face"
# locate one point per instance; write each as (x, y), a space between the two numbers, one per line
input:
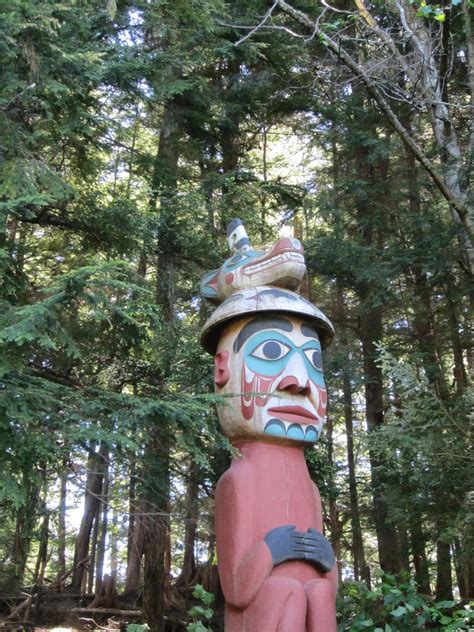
(272, 365)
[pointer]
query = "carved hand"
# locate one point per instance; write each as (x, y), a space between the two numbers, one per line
(286, 543)
(318, 551)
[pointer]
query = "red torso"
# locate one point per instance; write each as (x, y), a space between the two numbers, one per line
(279, 492)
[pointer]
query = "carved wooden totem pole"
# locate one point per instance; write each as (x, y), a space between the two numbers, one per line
(277, 570)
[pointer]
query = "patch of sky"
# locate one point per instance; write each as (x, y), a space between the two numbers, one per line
(133, 35)
(145, 88)
(195, 303)
(401, 323)
(287, 216)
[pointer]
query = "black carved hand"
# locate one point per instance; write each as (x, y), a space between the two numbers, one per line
(318, 551)
(285, 543)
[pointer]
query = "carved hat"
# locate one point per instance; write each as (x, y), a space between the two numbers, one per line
(252, 281)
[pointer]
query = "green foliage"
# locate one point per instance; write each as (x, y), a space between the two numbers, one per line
(432, 437)
(137, 627)
(201, 614)
(396, 605)
(432, 11)
(84, 294)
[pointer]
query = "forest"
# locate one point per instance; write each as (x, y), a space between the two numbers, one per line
(132, 132)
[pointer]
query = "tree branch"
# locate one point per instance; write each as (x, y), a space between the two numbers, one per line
(455, 202)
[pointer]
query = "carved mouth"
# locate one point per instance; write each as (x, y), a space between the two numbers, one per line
(297, 432)
(296, 414)
(269, 262)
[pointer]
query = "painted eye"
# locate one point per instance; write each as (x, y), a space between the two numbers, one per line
(315, 358)
(271, 350)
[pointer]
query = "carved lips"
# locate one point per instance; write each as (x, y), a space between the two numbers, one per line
(297, 414)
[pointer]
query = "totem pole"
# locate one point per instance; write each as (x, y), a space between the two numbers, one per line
(277, 570)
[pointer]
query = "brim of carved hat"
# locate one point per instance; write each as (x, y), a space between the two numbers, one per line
(264, 299)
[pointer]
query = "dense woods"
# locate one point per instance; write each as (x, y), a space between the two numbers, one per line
(132, 132)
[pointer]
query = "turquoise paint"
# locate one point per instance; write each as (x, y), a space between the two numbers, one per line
(276, 428)
(240, 259)
(295, 431)
(256, 362)
(311, 434)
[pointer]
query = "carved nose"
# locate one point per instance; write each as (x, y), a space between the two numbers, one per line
(292, 384)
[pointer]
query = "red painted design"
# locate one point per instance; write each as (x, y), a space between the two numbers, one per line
(229, 278)
(287, 244)
(323, 400)
(258, 384)
(213, 282)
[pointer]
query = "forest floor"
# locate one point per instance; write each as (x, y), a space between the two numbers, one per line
(65, 615)
(79, 625)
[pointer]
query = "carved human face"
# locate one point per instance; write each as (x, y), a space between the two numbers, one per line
(271, 366)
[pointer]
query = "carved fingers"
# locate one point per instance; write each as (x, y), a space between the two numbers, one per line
(286, 543)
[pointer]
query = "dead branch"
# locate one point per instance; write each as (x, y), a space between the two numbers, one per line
(108, 611)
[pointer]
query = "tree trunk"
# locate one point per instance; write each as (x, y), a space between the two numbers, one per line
(156, 528)
(43, 547)
(156, 461)
(25, 522)
(461, 575)
(188, 570)
(387, 540)
(135, 549)
(444, 582)
(423, 319)
(360, 564)
(95, 473)
(62, 523)
(459, 371)
(114, 544)
(418, 549)
(40, 566)
(371, 333)
(100, 555)
(93, 553)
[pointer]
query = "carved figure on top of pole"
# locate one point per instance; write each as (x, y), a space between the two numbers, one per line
(277, 570)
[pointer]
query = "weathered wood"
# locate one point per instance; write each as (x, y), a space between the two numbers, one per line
(108, 611)
(106, 596)
(22, 606)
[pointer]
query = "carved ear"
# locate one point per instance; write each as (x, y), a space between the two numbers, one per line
(221, 368)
